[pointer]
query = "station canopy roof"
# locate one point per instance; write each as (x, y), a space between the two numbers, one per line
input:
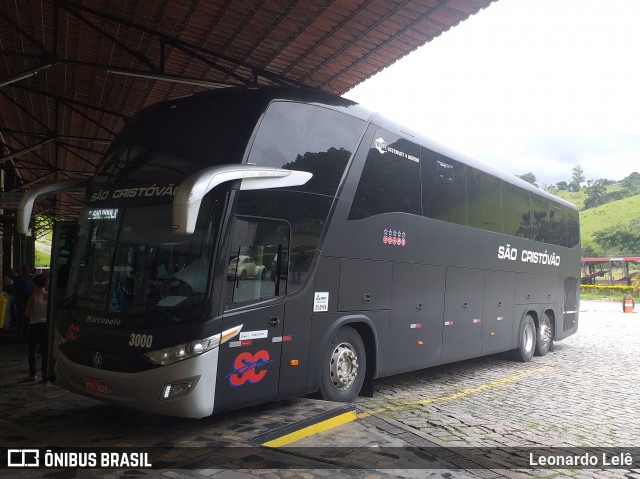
(73, 71)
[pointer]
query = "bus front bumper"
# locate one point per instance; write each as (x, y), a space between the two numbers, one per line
(147, 390)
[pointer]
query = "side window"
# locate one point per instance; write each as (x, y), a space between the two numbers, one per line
(390, 180)
(310, 138)
(540, 227)
(485, 200)
(444, 188)
(256, 268)
(558, 233)
(517, 211)
(573, 227)
(306, 214)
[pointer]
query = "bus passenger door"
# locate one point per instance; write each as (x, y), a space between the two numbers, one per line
(63, 245)
(254, 293)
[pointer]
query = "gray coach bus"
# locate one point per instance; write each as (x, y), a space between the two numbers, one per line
(243, 245)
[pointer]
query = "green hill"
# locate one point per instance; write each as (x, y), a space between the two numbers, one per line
(607, 216)
(600, 218)
(575, 197)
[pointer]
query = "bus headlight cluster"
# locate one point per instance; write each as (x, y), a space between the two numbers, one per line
(176, 353)
(179, 352)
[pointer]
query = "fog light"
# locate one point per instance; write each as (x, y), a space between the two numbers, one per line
(174, 390)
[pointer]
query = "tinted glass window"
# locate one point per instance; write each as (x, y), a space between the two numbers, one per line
(444, 188)
(130, 260)
(485, 200)
(256, 245)
(390, 180)
(540, 226)
(305, 137)
(517, 211)
(573, 228)
(305, 213)
(175, 138)
(557, 225)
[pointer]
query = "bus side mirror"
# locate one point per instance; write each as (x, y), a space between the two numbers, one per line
(188, 197)
(25, 207)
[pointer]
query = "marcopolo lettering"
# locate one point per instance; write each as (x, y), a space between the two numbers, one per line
(103, 321)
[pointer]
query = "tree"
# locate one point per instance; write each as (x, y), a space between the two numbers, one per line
(621, 239)
(577, 178)
(596, 193)
(632, 182)
(529, 178)
(562, 185)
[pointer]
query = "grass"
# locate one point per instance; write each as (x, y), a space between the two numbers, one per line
(602, 217)
(611, 298)
(42, 259)
(606, 216)
(576, 197)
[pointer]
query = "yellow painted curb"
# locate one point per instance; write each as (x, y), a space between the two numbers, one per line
(322, 426)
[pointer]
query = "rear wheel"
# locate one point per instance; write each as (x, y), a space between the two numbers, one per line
(544, 336)
(344, 366)
(527, 341)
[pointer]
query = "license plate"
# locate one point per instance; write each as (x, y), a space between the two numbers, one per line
(94, 385)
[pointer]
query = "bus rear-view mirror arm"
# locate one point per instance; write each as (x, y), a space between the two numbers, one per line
(25, 207)
(188, 197)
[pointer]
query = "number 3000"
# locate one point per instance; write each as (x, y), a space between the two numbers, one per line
(141, 340)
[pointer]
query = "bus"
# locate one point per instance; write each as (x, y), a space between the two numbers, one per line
(248, 244)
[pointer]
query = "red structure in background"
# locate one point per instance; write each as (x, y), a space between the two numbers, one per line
(606, 268)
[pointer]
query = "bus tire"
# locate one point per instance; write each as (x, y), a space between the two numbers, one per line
(544, 336)
(526, 341)
(344, 366)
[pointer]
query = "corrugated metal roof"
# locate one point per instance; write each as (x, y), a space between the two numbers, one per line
(79, 58)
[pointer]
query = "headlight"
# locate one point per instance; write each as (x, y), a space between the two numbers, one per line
(176, 353)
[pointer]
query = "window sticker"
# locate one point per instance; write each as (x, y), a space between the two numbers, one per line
(320, 302)
(254, 334)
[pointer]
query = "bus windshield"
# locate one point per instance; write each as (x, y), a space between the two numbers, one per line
(130, 260)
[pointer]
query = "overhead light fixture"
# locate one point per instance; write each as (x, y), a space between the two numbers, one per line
(170, 78)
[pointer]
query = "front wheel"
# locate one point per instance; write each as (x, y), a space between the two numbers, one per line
(527, 341)
(344, 365)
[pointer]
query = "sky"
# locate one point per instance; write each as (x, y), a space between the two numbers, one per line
(527, 85)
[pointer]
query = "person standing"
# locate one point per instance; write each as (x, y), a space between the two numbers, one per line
(38, 329)
(22, 287)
